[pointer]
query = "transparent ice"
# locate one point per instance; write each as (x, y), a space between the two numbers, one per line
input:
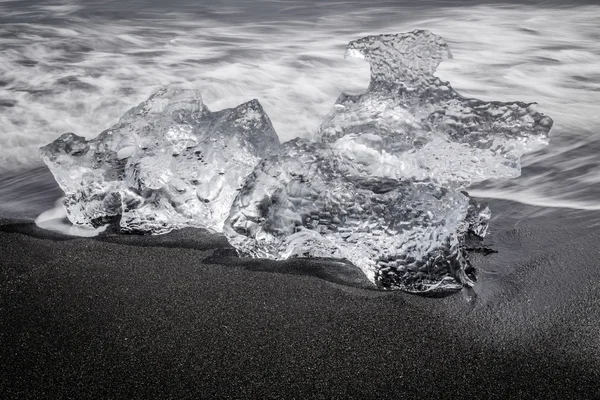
(168, 163)
(410, 123)
(307, 200)
(380, 185)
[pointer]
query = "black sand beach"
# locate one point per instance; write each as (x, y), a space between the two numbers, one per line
(179, 316)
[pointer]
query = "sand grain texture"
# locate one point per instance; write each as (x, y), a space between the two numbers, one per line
(179, 316)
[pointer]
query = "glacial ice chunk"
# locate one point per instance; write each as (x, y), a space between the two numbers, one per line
(308, 200)
(168, 163)
(411, 124)
(381, 183)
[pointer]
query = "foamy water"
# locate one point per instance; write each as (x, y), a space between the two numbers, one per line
(78, 66)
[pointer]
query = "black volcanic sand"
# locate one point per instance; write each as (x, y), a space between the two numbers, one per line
(180, 316)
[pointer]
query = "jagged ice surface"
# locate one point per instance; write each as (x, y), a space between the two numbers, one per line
(168, 163)
(307, 200)
(380, 185)
(411, 124)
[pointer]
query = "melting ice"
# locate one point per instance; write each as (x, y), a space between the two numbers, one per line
(168, 163)
(310, 200)
(411, 124)
(380, 184)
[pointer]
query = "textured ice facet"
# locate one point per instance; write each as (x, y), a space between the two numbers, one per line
(411, 124)
(381, 183)
(308, 200)
(167, 164)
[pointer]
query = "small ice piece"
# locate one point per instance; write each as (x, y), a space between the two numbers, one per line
(168, 163)
(307, 200)
(425, 129)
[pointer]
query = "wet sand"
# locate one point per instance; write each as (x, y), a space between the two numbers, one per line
(180, 316)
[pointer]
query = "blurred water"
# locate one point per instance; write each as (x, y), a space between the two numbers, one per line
(79, 65)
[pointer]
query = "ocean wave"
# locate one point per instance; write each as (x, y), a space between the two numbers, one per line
(67, 68)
